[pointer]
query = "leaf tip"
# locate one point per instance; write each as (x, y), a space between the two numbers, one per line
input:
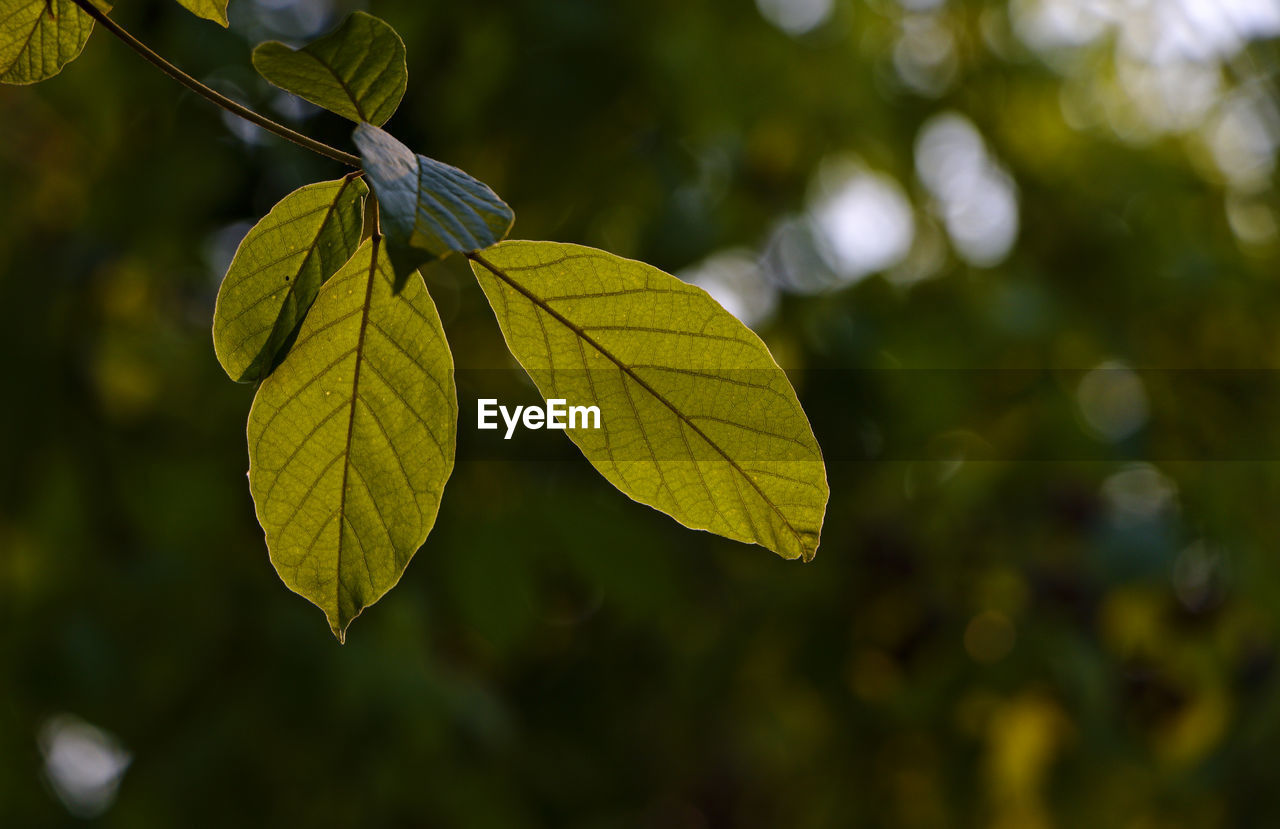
(810, 540)
(338, 627)
(211, 10)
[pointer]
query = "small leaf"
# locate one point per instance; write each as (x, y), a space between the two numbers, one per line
(351, 439)
(429, 209)
(39, 37)
(697, 420)
(278, 269)
(357, 71)
(215, 10)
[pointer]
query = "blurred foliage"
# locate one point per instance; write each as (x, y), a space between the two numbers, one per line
(1072, 636)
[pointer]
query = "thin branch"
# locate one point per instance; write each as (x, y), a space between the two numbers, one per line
(213, 95)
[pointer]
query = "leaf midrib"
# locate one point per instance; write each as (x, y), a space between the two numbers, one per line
(351, 421)
(355, 103)
(579, 332)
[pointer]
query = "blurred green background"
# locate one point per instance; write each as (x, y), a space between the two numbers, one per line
(1044, 598)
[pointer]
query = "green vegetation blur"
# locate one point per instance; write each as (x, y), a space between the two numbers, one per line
(1041, 202)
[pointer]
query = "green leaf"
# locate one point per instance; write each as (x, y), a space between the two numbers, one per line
(215, 10)
(39, 37)
(429, 209)
(351, 439)
(357, 71)
(279, 268)
(697, 420)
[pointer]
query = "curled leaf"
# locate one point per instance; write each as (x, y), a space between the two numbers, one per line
(429, 209)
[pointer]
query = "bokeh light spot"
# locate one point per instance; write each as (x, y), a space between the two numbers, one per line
(735, 280)
(862, 220)
(977, 200)
(795, 17)
(83, 764)
(1112, 401)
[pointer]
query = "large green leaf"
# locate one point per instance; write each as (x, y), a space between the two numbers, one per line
(697, 420)
(351, 439)
(278, 269)
(39, 37)
(429, 209)
(215, 10)
(357, 71)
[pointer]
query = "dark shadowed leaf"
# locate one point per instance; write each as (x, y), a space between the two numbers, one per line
(351, 439)
(697, 420)
(357, 71)
(429, 209)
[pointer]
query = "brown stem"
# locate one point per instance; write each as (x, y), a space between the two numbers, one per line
(213, 95)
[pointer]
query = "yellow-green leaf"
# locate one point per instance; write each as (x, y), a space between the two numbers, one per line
(351, 439)
(215, 10)
(428, 208)
(39, 37)
(697, 420)
(278, 269)
(357, 71)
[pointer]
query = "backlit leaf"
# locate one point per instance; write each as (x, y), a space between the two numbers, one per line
(351, 439)
(39, 37)
(357, 71)
(697, 419)
(278, 269)
(215, 10)
(429, 209)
